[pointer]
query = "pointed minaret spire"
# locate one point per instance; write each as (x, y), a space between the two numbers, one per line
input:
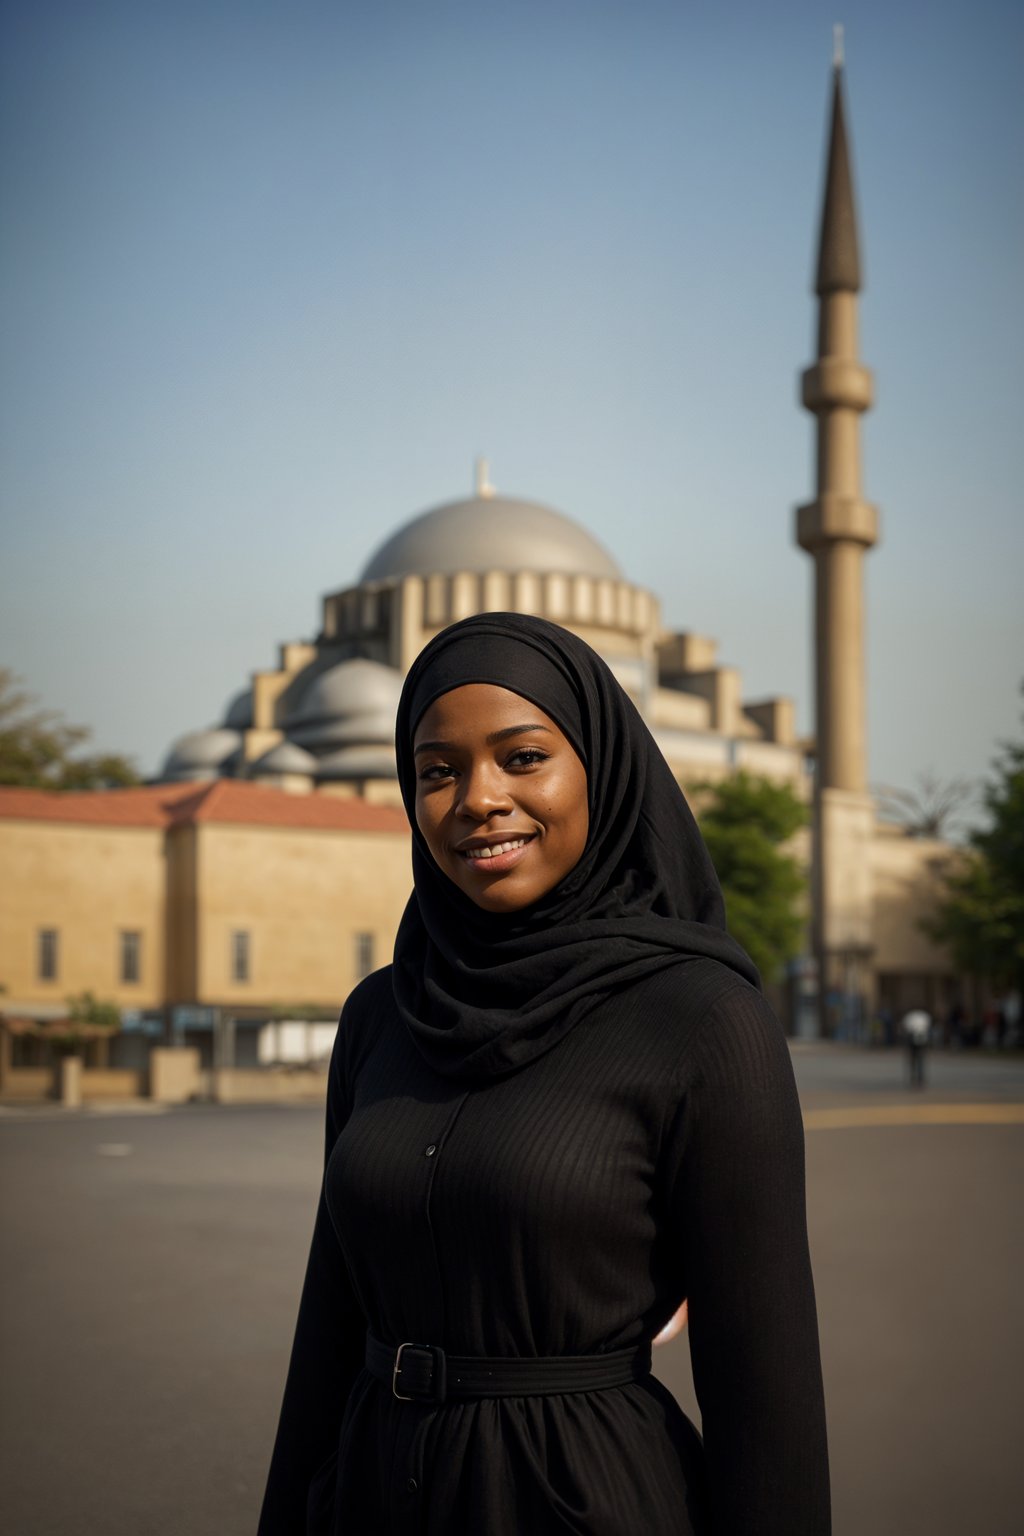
(836, 529)
(838, 256)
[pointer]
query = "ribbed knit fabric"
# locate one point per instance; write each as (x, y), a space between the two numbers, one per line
(656, 1152)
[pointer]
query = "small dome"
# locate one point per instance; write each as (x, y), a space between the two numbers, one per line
(201, 755)
(490, 533)
(286, 757)
(347, 730)
(358, 763)
(238, 715)
(357, 687)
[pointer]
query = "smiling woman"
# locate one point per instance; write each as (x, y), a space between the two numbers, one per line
(501, 801)
(563, 1109)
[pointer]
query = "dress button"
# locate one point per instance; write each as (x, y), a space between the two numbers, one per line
(430, 1150)
(411, 1484)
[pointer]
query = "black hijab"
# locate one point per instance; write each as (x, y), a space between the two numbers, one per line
(483, 993)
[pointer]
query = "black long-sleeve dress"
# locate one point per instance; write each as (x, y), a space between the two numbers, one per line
(655, 1152)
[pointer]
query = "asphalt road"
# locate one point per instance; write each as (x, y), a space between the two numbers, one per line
(151, 1264)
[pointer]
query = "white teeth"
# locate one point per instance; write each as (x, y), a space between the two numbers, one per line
(491, 853)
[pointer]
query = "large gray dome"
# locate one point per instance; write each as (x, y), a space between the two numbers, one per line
(490, 533)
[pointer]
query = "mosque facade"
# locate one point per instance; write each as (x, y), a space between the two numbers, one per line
(323, 719)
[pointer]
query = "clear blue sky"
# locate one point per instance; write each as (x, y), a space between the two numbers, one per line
(273, 273)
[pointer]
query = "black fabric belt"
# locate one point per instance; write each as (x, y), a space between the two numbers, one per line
(423, 1373)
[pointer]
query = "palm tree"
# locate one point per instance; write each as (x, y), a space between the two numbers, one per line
(934, 808)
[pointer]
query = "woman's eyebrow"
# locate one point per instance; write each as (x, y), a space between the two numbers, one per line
(513, 730)
(492, 739)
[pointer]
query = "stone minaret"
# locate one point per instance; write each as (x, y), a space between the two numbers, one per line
(836, 528)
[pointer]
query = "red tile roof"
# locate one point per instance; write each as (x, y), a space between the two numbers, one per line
(150, 805)
(256, 805)
(219, 800)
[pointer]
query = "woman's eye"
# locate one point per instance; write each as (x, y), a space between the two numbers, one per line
(435, 771)
(526, 757)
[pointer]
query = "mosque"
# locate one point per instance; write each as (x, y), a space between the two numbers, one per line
(231, 881)
(324, 719)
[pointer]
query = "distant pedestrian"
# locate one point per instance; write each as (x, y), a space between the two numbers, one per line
(917, 1027)
(955, 1025)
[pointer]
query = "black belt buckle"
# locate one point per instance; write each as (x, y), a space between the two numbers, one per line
(434, 1388)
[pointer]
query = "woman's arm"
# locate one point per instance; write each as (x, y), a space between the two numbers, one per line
(327, 1353)
(739, 1206)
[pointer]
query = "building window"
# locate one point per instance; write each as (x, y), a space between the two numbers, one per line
(240, 956)
(131, 949)
(364, 955)
(48, 955)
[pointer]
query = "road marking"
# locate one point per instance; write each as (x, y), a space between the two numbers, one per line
(857, 1117)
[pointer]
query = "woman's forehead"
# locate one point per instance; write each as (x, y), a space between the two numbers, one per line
(480, 709)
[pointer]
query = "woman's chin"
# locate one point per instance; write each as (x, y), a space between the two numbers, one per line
(497, 893)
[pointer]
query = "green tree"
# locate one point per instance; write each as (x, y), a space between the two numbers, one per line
(86, 1016)
(746, 822)
(980, 913)
(37, 748)
(933, 808)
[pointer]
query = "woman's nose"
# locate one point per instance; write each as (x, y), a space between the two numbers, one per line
(483, 793)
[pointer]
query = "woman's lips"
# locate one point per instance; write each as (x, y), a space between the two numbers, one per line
(496, 857)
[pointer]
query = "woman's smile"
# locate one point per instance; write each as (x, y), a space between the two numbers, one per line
(501, 795)
(494, 856)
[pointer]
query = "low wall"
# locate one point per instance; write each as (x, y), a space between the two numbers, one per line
(241, 1086)
(26, 1083)
(174, 1075)
(68, 1081)
(112, 1083)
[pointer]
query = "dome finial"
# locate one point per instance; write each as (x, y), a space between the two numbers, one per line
(837, 46)
(482, 484)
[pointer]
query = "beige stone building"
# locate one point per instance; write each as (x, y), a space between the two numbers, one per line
(268, 869)
(205, 912)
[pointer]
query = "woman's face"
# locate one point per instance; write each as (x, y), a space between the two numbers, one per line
(501, 796)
